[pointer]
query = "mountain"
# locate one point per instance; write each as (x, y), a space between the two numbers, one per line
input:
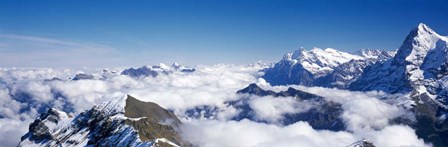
(344, 74)
(121, 122)
(362, 143)
(155, 70)
(324, 115)
(374, 54)
(419, 70)
(83, 76)
(322, 67)
(421, 58)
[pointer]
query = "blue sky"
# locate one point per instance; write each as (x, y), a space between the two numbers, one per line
(77, 33)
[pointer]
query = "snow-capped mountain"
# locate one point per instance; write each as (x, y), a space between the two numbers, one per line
(322, 67)
(375, 54)
(122, 122)
(421, 58)
(343, 75)
(155, 70)
(320, 61)
(419, 70)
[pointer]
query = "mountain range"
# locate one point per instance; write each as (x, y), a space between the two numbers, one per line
(417, 71)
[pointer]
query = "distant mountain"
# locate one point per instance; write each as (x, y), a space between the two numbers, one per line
(374, 54)
(83, 76)
(324, 115)
(344, 74)
(155, 70)
(322, 67)
(121, 122)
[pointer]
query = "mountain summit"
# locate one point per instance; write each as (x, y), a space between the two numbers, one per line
(422, 53)
(308, 68)
(122, 122)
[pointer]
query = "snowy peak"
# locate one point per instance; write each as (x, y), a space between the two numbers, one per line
(375, 54)
(146, 71)
(420, 40)
(319, 61)
(305, 67)
(420, 59)
(424, 29)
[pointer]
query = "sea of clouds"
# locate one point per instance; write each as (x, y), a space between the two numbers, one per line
(25, 93)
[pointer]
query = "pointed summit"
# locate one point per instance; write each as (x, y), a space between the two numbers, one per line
(416, 45)
(421, 56)
(299, 53)
(424, 29)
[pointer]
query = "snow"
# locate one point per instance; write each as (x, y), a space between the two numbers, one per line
(122, 117)
(164, 140)
(424, 42)
(320, 61)
(73, 131)
(115, 106)
(418, 62)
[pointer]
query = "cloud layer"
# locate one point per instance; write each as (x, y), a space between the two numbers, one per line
(25, 93)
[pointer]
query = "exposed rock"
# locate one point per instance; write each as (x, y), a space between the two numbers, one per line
(121, 122)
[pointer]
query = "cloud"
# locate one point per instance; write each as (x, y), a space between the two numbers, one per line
(11, 131)
(272, 109)
(245, 133)
(27, 92)
(41, 39)
(365, 115)
(363, 110)
(37, 51)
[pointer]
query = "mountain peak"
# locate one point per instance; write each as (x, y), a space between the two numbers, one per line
(416, 45)
(124, 121)
(423, 29)
(421, 54)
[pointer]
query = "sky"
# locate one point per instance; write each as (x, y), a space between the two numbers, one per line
(84, 33)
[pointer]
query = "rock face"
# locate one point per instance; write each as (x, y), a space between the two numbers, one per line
(107, 124)
(152, 121)
(343, 75)
(430, 124)
(421, 57)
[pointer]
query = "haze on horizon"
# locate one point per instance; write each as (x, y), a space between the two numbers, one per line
(119, 33)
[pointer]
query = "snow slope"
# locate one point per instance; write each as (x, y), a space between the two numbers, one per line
(420, 58)
(322, 67)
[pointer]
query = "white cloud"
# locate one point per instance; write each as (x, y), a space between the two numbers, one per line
(11, 131)
(362, 110)
(272, 109)
(365, 115)
(245, 133)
